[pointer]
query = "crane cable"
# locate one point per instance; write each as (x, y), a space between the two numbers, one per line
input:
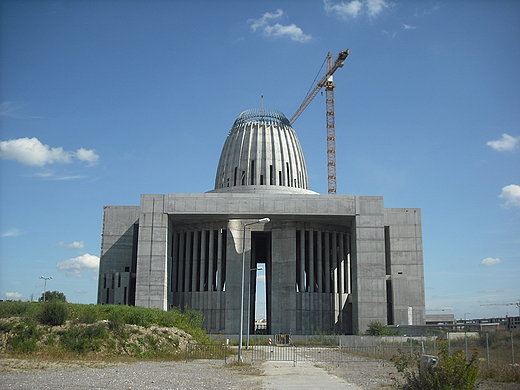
(315, 78)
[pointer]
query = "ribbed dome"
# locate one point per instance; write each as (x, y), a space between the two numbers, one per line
(262, 154)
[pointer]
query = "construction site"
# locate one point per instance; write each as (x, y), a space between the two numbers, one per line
(333, 263)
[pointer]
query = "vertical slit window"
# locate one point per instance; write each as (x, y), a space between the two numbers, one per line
(235, 177)
(271, 175)
(388, 259)
(252, 170)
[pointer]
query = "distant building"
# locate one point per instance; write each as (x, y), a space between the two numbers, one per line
(333, 263)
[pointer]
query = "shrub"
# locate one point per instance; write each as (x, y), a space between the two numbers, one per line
(84, 338)
(453, 372)
(377, 328)
(53, 313)
(87, 316)
(25, 337)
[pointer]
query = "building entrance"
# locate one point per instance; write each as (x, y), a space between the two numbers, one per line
(259, 282)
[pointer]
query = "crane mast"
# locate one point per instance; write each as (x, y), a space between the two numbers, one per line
(327, 82)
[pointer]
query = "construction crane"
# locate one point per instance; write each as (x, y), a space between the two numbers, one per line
(517, 304)
(327, 82)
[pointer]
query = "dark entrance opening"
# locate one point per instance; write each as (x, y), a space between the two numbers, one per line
(260, 257)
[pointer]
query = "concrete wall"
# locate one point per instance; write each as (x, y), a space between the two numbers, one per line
(152, 254)
(406, 265)
(368, 264)
(118, 249)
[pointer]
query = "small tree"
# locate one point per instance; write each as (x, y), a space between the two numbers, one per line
(377, 328)
(49, 296)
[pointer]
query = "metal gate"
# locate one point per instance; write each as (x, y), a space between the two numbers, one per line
(336, 355)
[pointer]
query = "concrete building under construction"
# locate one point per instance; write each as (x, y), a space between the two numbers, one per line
(333, 263)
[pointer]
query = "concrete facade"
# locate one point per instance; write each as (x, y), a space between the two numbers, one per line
(333, 263)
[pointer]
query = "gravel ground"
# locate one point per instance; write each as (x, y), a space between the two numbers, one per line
(201, 374)
(143, 375)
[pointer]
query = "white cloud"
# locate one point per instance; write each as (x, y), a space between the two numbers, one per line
(488, 291)
(490, 261)
(504, 144)
(11, 233)
(13, 295)
(30, 151)
(344, 10)
(78, 264)
(355, 8)
(261, 278)
(264, 20)
(88, 155)
(511, 194)
(278, 30)
(408, 27)
(375, 7)
(74, 245)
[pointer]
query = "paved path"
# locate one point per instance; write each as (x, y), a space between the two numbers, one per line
(284, 376)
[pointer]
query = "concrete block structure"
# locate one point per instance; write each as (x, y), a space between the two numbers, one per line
(333, 263)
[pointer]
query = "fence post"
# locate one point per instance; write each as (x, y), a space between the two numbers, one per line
(487, 349)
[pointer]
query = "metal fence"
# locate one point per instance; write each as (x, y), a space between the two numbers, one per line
(324, 354)
(207, 351)
(497, 349)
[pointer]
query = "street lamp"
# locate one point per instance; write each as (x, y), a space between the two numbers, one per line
(45, 286)
(263, 220)
(249, 305)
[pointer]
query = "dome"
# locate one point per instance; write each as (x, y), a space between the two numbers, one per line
(262, 153)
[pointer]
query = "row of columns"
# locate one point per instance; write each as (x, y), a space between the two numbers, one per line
(323, 261)
(198, 260)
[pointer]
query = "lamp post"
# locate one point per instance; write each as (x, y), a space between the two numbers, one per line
(45, 286)
(249, 306)
(263, 220)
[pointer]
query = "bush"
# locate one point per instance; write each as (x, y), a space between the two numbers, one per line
(53, 313)
(377, 328)
(83, 338)
(453, 372)
(25, 338)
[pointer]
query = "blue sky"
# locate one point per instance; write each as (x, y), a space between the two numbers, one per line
(102, 101)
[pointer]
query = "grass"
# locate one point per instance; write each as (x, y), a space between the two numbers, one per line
(66, 330)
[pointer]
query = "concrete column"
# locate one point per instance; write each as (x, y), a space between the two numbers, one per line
(195, 262)
(348, 269)
(187, 263)
(211, 260)
(334, 261)
(328, 268)
(181, 259)
(219, 278)
(312, 281)
(341, 237)
(202, 271)
(301, 282)
(319, 262)
(174, 263)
